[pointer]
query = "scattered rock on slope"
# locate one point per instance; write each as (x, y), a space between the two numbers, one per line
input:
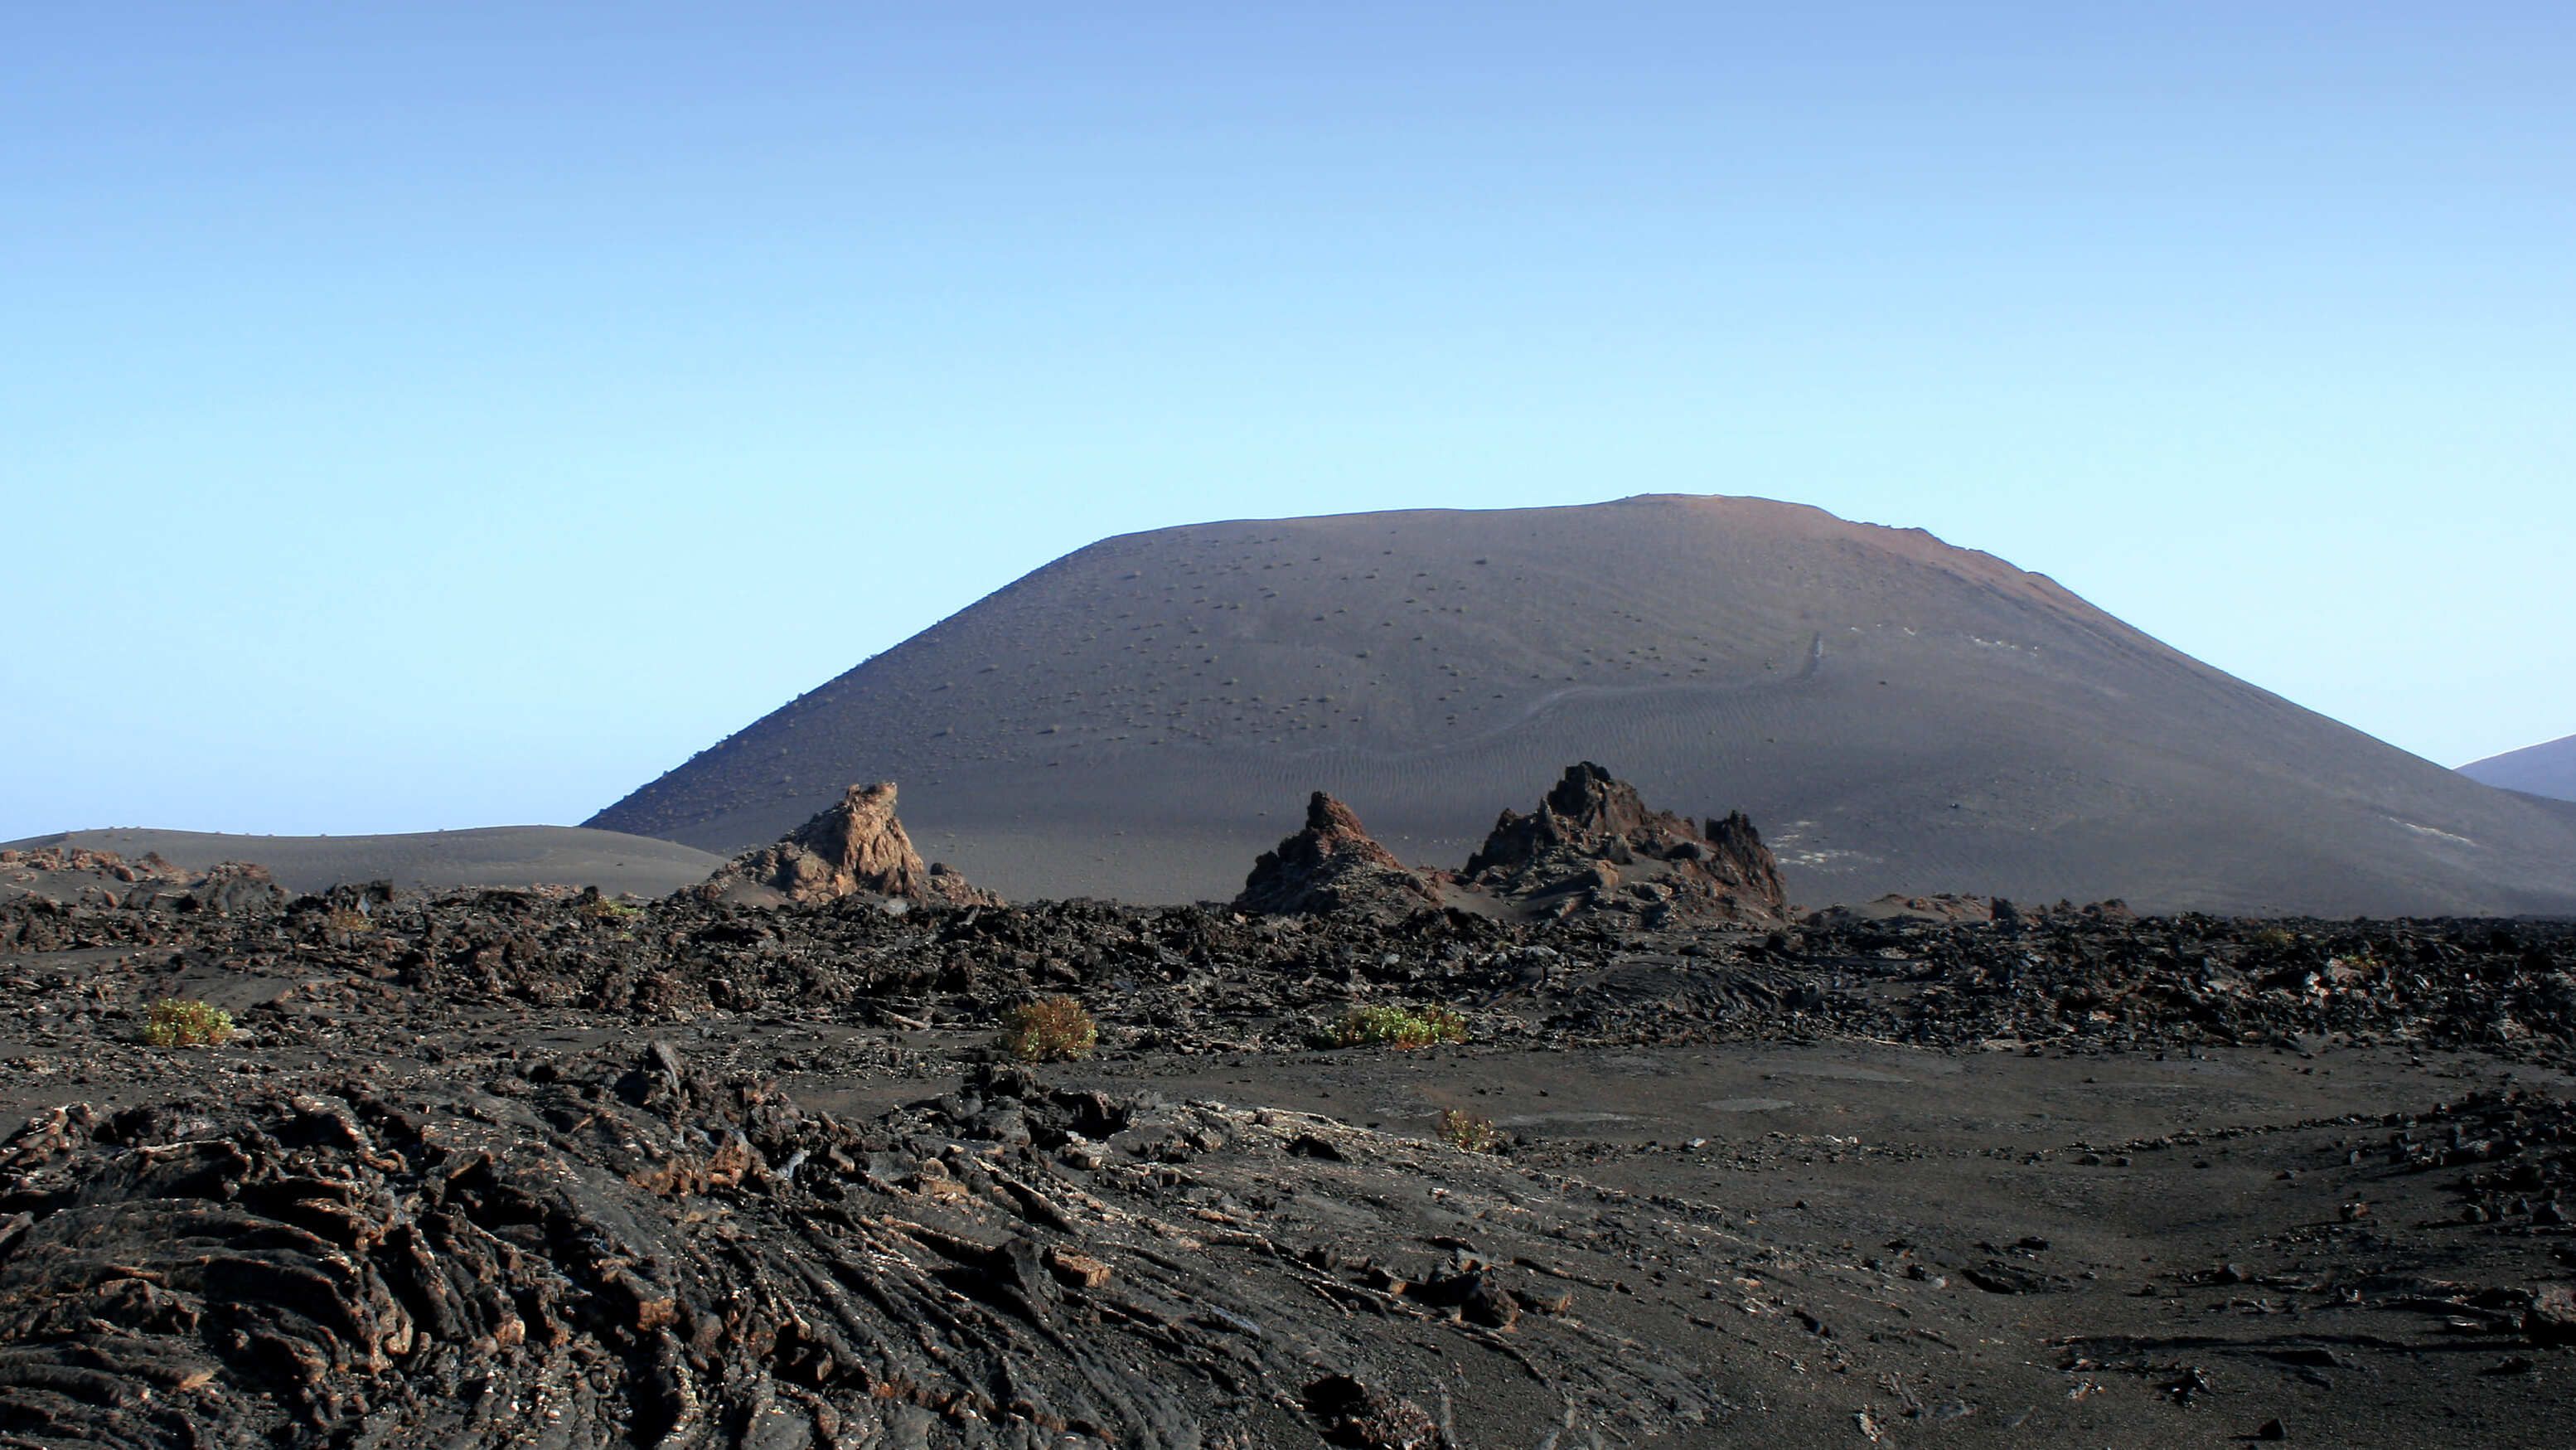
(1593, 843)
(78, 874)
(1333, 866)
(856, 846)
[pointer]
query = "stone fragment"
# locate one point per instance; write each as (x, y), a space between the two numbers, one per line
(2551, 1319)
(1356, 1415)
(1076, 1270)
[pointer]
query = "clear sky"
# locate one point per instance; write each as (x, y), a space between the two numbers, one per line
(442, 415)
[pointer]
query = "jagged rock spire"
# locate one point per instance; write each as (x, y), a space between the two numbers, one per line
(1333, 865)
(857, 846)
(1594, 842)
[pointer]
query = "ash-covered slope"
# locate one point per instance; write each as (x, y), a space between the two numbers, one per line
(2548, 769)
(429, 860)
(1142, 716)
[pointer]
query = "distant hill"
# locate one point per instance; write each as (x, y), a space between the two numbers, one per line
(494, 856)
(1142, 717)
(2548, 770)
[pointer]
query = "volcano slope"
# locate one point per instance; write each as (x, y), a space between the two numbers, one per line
(430, 860)
(2544, 770)
(1138, 718)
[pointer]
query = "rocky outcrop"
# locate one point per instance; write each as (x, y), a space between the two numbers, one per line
(1594, 844)
(234, 888)
(1898, 909)
(1333, 866)
(855, 847)
(148, 867)
(79, 874)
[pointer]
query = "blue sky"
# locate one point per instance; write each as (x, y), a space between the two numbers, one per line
(446, 415)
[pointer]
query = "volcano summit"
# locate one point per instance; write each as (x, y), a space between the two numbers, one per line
(1896, 714)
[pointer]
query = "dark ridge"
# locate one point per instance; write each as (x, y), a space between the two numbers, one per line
(498, 856)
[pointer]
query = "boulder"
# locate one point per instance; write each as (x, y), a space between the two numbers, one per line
(858, 846)
(2552, 1316)
(234, 888)
(1332, 866)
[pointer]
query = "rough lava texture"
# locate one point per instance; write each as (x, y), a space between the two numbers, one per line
(524, 1169)
(1594, 844)
(589, 1212)
(16, 864)
(1333, 866)
(636, 1252)
(855, 847)
(76, 873)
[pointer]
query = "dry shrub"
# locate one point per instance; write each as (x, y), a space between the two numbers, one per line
(1051, 1029)
(1469, 1133)
(178, 1022)
(1396, 1027)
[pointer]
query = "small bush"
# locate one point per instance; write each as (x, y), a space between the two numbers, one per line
(174, 1022)
(1469, 1133)
(595, 907)
(1052, 1029)
(1396, 1027)
(2275, 939)
(345, 922)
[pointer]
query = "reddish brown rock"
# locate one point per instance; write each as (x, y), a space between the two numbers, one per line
(1594, 844)
(147, 867)
(78, 873)
(856, 846)
(1333, 866)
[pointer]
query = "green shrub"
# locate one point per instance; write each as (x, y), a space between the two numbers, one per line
(1396, 1027)
(1469, 1133)
(175, 1022)
(1051, 1029)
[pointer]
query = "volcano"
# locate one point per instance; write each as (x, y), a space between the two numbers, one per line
(1142, 717)
(2548, 769)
